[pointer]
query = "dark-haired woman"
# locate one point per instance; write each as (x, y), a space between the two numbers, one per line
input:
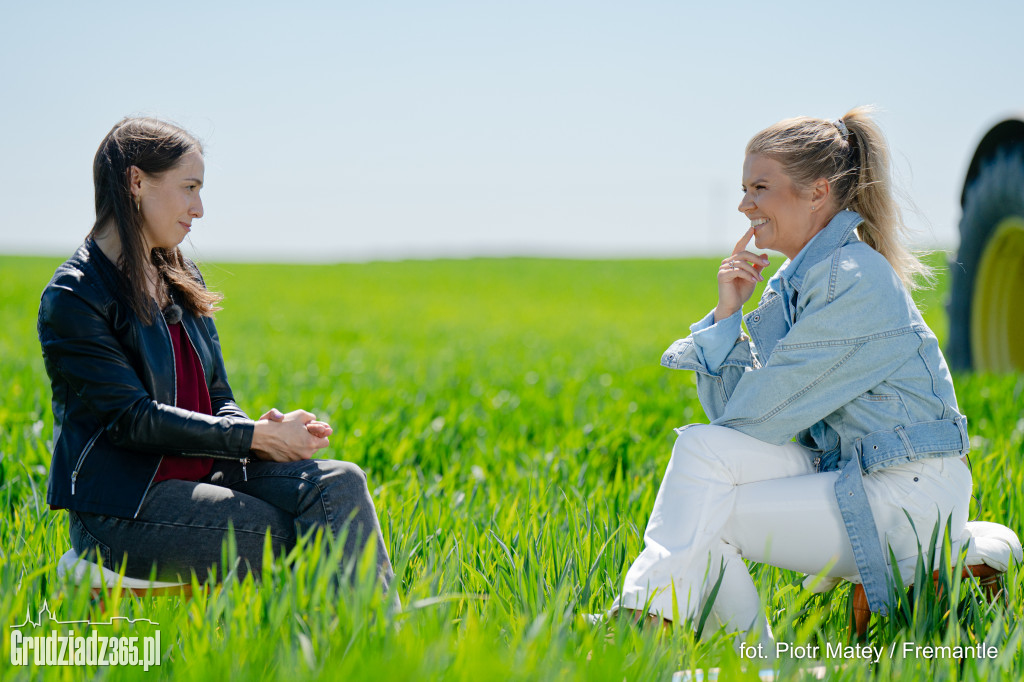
(153, 459)
(835, 436)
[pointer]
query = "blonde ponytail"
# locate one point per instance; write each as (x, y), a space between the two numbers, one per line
(873, 198)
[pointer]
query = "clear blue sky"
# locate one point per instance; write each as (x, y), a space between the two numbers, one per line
(357, 130)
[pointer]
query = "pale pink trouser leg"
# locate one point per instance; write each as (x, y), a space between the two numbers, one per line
(727, 496)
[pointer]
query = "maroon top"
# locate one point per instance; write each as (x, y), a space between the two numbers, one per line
(192, 394)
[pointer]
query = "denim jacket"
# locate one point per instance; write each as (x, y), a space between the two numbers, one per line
(839, 358)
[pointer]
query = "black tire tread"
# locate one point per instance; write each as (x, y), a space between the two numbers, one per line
(997, 191)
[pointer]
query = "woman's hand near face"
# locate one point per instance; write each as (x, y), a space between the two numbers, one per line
(291, 437)
(738, 276)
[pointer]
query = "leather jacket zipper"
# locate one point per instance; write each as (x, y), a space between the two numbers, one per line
(81, 457)
(244, 460)
(170, 342)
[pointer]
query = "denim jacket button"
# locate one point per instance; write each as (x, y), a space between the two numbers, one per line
(757, 318)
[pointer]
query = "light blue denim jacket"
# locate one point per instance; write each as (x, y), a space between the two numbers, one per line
(839, 358)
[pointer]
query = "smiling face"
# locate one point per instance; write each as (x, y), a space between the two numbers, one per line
(784, 218)
(169, 201)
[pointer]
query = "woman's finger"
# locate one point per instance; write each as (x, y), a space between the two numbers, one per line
(319, 429)
(301, 416)
(741, 245)
(740, 268)
(750, 257)
(314, 444)
(733, 263)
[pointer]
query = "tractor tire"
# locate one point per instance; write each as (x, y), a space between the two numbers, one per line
(986, 320)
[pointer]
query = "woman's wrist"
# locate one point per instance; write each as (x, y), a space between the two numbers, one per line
(262, 436)
(724, 313)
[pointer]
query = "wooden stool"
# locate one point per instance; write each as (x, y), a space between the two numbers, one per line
(990, 547)
(102, 577)
(990, 580)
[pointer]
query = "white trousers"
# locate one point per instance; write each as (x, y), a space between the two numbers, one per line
(727, 496)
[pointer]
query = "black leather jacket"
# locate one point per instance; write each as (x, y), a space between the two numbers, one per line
(114, 389)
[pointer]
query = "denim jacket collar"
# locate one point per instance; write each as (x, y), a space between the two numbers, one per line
(836, 234)
(776, 314)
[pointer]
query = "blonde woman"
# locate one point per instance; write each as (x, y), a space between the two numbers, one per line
(834, 431)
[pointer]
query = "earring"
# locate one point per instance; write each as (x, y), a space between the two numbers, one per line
(138, 204)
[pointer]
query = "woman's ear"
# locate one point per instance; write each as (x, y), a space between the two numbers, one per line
(820, 191)
(134, 181)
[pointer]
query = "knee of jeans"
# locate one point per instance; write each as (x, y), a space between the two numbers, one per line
(691, 444)
(346, 480)
(696, 453)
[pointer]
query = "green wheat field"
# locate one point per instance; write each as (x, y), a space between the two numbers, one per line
(514, 424)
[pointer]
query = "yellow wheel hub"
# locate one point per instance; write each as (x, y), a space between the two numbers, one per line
(997, 310)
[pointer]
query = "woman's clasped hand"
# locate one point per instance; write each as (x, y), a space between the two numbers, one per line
(290, 437)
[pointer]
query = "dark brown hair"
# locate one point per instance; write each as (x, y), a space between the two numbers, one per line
(154, 147)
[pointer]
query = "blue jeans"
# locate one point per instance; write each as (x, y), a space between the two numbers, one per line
(182, 524)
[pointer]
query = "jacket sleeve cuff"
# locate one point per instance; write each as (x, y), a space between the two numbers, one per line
(713, 341)
(248, 430)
